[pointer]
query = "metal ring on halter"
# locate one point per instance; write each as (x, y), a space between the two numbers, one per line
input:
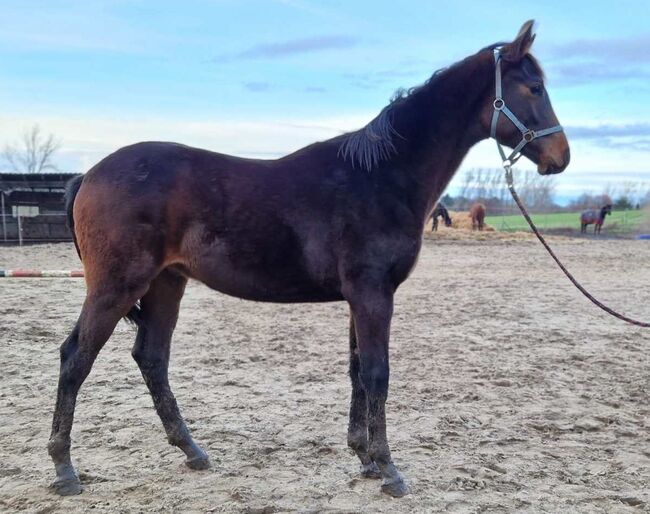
(498, 104)
(529, 136)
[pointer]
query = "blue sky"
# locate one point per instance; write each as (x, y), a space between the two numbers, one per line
(263, 78)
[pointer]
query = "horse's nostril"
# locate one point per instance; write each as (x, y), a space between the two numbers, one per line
(567, 157)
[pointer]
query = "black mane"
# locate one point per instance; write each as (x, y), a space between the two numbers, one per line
(375, 143)
(372, 144)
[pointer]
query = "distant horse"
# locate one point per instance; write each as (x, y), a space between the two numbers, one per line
(338, 220)
(477, 213)
(440, 211)
(596, 217)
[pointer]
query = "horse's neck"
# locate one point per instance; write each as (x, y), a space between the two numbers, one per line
(438, 125)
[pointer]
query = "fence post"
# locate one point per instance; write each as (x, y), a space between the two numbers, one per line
(20, 230)
(2, 213)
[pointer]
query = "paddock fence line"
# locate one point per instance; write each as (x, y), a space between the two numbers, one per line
(510, 220)
(42, 228)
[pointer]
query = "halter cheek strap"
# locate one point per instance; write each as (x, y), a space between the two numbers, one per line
(499, 104)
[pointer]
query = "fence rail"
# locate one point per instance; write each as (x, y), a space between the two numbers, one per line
(43, 228)
(618, 222)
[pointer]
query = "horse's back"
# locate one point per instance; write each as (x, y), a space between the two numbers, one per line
(477, 211)
(589, 216)
(158, 162)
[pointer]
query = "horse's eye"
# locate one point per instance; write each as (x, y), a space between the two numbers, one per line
(537, 89)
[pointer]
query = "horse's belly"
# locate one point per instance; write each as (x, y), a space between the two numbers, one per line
(262, 286)
(266, 271)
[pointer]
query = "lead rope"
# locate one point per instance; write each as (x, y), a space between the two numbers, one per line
(604, 307)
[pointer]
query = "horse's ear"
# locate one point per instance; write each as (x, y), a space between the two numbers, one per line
(517, 50)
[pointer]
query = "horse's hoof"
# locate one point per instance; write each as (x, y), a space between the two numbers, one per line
(199, 463)
(370, 470)
(66, 485)
(395, 487)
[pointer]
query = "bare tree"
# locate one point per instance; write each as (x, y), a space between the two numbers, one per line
(537, 191)
(630, 194)
(592, 201)
(609, 192)
(468, 184)
(34, 153)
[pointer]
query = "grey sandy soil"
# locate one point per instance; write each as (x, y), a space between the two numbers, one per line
(509, 392)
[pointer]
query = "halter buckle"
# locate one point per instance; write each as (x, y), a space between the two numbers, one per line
(498, 104)
(529, 136)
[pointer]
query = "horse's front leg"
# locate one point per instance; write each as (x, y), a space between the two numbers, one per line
(372, 309)
(358, 425)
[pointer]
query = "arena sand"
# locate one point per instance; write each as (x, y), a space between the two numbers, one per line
(509, 392)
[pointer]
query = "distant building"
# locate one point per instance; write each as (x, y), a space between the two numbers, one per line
(32, 207)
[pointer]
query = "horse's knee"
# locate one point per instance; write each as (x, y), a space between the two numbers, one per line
(375, 380)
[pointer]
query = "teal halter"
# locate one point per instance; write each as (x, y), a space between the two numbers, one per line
(527, 135)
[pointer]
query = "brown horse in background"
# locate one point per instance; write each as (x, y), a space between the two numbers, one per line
(477, 213)
(339, 220)
(597, 217)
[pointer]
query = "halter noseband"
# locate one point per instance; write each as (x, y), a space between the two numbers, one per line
(527, 135)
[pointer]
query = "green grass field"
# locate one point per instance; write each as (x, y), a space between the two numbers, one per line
(619, 222)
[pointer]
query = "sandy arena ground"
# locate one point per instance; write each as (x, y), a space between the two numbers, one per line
(509, 392)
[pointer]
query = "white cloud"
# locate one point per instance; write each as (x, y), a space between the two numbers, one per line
(88, 140)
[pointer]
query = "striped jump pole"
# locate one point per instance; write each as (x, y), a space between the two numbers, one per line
(42, 273)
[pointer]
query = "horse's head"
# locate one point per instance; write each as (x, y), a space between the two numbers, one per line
(607, 209)
(445, 215)
(523, 94)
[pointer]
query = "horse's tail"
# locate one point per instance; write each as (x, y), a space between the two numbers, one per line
(71, 190)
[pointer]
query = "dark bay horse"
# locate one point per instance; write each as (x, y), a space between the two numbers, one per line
(477, 213)
(594, 216)
(339, 220)
(440, 211)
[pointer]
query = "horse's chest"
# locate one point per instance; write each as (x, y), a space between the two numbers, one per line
(395, 257)
(405, 260)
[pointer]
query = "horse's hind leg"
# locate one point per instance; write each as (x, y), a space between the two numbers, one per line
(156, 322)
(100, 313)
(358, 425)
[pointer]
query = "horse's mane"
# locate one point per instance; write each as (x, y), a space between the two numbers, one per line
(375, 143)
(372, 144)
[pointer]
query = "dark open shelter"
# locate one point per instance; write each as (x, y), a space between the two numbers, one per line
(32, 208)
